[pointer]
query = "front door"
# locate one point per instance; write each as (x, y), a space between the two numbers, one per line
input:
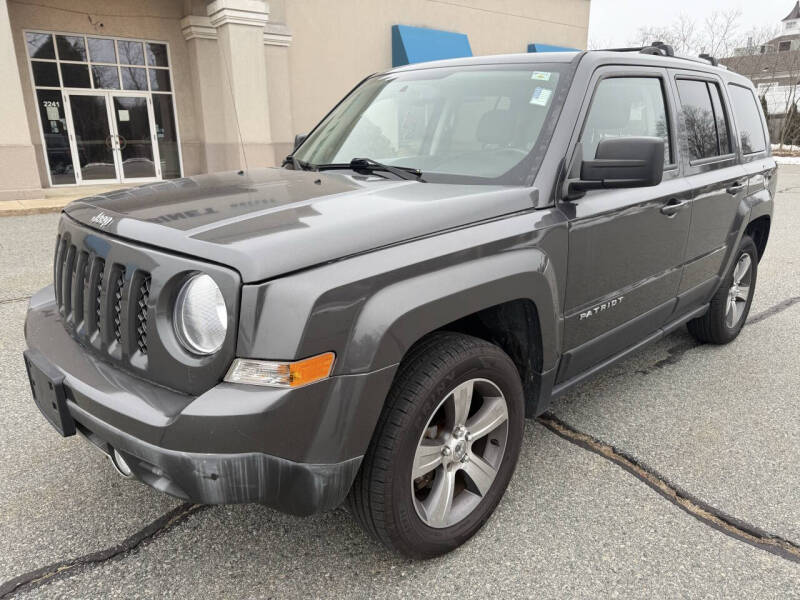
(92, 138)
(626, 246)
(136, 146)
(113, 137)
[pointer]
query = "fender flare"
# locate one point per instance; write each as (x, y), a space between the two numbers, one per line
(400, 314)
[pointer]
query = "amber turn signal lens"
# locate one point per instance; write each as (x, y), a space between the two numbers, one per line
(311, 369)
(281, 374)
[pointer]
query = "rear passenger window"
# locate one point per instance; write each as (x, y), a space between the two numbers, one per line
(721, 119)
(748, 119)
(626, 107)
(704, 118)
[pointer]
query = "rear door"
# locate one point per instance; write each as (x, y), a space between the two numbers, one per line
(753, 139)
(626, 248)
(716, 179)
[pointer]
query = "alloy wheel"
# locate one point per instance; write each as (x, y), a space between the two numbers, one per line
(739, 292)
(459, 453)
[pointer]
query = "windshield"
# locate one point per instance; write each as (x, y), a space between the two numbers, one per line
(472, 124)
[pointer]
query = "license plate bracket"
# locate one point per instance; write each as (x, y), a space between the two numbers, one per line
(47, 387)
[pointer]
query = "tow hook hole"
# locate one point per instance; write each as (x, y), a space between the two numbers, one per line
(494, 442)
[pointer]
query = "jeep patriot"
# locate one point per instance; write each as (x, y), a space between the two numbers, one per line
(455, 244)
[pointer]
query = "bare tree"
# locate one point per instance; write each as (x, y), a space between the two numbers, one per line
(717, 34)
(775, 74)
(720, 32)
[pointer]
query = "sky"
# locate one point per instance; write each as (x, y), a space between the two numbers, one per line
(614, 23)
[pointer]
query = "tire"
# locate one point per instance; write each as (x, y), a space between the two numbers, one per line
(420, 418)
(720, 325)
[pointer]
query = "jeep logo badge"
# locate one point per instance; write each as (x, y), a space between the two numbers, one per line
(102, 219)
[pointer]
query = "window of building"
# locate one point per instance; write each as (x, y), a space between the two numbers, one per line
(626, 107)
(748, 119)
(705, 122)
(64, 64)
(784, 46)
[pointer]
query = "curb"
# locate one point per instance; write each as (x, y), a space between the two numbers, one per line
(21, 212)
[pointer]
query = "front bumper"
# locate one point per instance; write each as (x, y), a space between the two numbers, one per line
(296, 450)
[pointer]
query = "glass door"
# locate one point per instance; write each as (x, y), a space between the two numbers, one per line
(135, 141)
(93, 145)
(113, 137)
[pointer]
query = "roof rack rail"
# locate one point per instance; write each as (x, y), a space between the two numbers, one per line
(662, 49)
(657, 48)
(665, 49)
(709, 58)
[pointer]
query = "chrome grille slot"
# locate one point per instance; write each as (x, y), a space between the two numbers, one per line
(66, 283)
(142, 297)
(116, 309)
(59, 269)
(79, 286)
(97, 292)
(56, 254)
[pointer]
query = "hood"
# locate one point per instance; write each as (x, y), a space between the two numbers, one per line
(266, 222)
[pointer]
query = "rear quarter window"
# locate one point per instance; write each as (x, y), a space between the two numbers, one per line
(748, 119)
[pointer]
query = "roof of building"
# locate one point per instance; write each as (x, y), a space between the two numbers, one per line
(795, 14)
(784, 38)
(765, 66)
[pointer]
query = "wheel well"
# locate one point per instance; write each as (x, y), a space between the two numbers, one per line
(514, 327)
(758, 229)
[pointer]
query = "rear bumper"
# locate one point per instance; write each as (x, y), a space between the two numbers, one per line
(296, 450)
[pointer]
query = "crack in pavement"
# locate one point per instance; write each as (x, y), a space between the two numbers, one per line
(773, 310)
(675, 353)
(703, 512)
(10, 300)
(73, 566)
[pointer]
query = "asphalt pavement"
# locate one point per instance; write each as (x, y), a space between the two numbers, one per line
(721, 424)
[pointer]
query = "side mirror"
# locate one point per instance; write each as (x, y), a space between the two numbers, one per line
(299, 139)
(623, 162)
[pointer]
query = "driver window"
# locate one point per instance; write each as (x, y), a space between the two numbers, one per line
(626, 107)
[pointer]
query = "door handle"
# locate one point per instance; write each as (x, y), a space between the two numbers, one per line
(735, 188)
(673, 206)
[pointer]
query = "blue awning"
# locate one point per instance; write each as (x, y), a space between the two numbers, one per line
(418, 44)
(550, 48)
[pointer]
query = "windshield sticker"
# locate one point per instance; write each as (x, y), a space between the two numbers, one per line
(541, 96)
(541, 75)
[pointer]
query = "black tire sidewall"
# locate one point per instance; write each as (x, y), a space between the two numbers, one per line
(719, 307)
(418, 538)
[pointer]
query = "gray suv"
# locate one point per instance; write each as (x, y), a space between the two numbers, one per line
(454, 245)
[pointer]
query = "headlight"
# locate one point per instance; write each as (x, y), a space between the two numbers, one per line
(201, 319)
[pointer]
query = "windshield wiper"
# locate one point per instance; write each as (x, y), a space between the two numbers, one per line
(367, 164)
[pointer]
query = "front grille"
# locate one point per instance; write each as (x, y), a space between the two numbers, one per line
(80, 291)
(141, 314)
(108, 291)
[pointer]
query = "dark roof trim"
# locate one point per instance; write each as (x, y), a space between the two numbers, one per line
(795, 14)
